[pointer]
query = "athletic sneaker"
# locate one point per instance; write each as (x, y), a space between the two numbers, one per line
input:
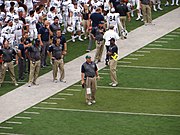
(64, 81)
(114, 85)
(110, 84)
(94, 101)
(16, 84)
(80, 39)
(89, 103)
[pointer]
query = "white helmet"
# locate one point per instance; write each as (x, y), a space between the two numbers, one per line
(112, 10)
(16, 18)
(124, 33)
(70, 29)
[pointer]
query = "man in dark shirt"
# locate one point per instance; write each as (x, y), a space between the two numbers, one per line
(55, 52)
(44, 37)
(113, 55)
(55, 25)
(21, 61)
(33, 53)
(114, 3)
(8, 54)
(89, 73)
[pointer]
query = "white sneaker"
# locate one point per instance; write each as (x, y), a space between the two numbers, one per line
(94, 101)
(85, 37)
(73, 39)
(114, 85)
(160, 8)
(89, 103)
(177, 4)
(110, 84)
(64, 81)
(16, 84)
(55, 81)
(29, 85)
(138, 18)
(155, 9)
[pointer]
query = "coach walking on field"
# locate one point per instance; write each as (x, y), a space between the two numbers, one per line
(113, 55)
(89, 73)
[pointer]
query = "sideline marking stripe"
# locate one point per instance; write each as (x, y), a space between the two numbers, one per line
(19, 117)
(131, 58)
(31, 112)
(9, 134)
(139, 89)
(73, 90)
(107, 112)
(144, 51)
(49, 103)
(13, 122)
(65, 94)
(126, 62)
(6, 127)
(165, 49)
(58, 98)
(137, 55)
(148, 67)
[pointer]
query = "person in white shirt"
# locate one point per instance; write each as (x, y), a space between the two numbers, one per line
(107, 36)
(51, 14)
(29, 5)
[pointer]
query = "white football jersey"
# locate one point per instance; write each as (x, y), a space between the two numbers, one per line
(110, 34)
(96, 4)
(17, 28)
(76, 14)
(31, 21)
(113, 18)
(50, 17)
(7, 32)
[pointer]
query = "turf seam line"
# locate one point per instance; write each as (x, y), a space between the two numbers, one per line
(144, 51)
(73, 90)
(163, 38)
(10, 134)
(65, 94)
(144, 67)
(57, 98)
(107, 112)
(160, 41)
(137, 55)
(19, 117)
(49, 103)
(26, 112)
(126, 62)
(131, 58)
(158, 45)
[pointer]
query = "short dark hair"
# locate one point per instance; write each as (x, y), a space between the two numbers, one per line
(31, 12)
(52, 8)
(56, 18)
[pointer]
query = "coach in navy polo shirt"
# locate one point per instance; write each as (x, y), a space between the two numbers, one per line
(44, 37)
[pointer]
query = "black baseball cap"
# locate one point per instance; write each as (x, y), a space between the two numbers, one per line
(112, 39)
(88, 57)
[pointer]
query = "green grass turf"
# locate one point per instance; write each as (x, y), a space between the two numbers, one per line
(78, 48)
(78, 123)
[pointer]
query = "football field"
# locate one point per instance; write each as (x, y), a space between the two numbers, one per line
(146, 101)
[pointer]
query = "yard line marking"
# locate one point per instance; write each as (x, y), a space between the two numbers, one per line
(163, 49)
(103, 73)
(131, 58)
(57, 98)
(144, 51)
(159, 41)
(9, 134)
(137, 55)
(164, 38)
(148, 67)
(126, 62)
(158, 45)
(139, 89)
(49, 103)
(172, 35)
(31, 112)
(13, 122)
(107, 112)
(73, 90)
(13, 82)
(176, 32)
(65, 94)
(6, 127)
(18, 117)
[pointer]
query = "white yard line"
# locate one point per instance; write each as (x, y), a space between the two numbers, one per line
(126, 62)
(145, 67)
(172, 35)
(65, 94)
(163, 49)
(143, 51)
(6, 127)
(49, 103)
(107, 112)
(9, 134)
(73, 90)
(164, 38)
(31, 112)
(176, 32)
(139, 89)
(13, 122)
(137, 55)
(13, 82)
(158, 45)
(57, 98)
(131, 58)
(19, 117)
(159, 41)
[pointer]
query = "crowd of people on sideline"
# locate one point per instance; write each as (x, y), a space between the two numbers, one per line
(31, 32)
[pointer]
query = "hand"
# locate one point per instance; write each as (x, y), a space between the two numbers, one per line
(98, 77)
(41, 43)
(64, 52)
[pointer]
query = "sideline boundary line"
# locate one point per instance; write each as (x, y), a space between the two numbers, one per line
(107, 112)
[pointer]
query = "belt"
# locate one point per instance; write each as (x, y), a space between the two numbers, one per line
(91, 76)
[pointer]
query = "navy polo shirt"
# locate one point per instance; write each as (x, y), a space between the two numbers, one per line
(44, 34)
(96, 18)
(21, 47)
(62, 42)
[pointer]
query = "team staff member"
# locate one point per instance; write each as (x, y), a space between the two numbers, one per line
(33, 53)
(113, 55)
(8, 54)
(97, 34)
(56, 55)
(44, 37)
(1, 61)
(89, 72)
(107, 36)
